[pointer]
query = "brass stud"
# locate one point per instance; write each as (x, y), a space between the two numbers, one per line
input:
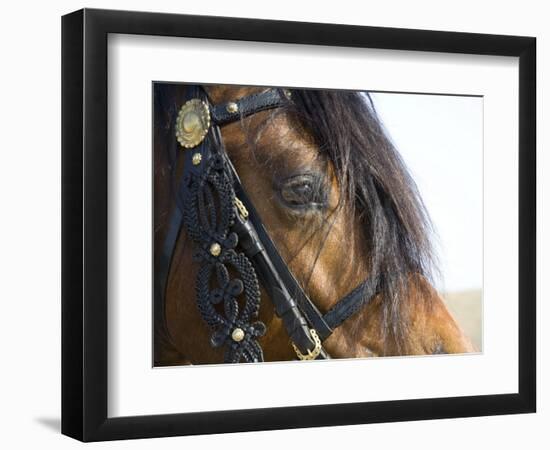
(197, 158)
(232, 107)
(237, 335)
(215, 249)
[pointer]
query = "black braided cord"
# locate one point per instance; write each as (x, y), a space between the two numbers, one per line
(228, 292)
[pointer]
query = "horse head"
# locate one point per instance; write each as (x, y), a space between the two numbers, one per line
(341, 208)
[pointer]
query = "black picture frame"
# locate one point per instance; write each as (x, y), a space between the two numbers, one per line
(84, 224)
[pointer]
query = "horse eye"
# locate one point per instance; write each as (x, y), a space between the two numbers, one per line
(302, 191)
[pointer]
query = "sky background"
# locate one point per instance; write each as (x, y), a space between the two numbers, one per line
(441, 141)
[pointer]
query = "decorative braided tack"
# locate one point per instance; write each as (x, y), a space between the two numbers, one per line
(228, 293)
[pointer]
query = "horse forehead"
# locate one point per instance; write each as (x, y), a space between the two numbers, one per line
(271, 138)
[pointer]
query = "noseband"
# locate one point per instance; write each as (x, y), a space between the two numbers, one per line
(232, 247)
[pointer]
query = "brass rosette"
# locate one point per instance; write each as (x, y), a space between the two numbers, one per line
(193, 123)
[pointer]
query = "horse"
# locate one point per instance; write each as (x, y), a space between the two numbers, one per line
(340, 206)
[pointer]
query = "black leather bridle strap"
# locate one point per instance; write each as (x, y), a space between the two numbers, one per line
(284, 304)
(360, 297)
(167, 253)
(247, 106)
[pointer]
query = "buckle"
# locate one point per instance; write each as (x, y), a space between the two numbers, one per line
(311, 354)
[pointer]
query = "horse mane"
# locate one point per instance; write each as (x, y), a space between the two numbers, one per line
(375, 183)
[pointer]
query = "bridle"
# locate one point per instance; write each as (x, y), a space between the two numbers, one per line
(233, 249)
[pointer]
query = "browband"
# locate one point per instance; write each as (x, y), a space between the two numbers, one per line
(209, 179)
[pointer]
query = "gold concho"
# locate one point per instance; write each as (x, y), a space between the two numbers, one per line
(193, 123)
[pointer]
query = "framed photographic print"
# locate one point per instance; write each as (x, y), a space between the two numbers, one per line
(276, 224)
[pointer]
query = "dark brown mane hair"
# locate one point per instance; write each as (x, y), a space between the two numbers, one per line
(375, 183)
